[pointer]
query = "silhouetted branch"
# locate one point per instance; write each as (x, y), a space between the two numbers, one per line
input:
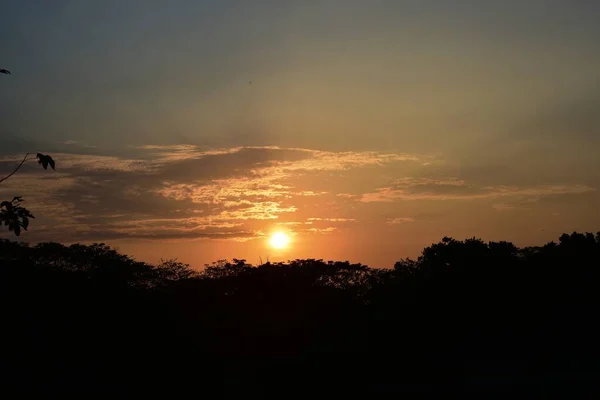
(45, 160)
(18, 167)
(12, 214)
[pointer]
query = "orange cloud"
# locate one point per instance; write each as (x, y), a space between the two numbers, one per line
(454, 189)
(399, 220)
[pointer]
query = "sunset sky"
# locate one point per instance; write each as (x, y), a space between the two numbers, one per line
(365, 130)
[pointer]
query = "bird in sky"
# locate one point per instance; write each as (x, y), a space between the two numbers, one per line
(5, 71)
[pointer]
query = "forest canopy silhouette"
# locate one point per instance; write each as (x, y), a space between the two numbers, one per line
(464, 315)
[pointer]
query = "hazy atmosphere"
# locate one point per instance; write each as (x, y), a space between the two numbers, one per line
(359, 130)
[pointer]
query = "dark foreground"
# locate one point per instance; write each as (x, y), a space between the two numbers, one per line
(466, 317)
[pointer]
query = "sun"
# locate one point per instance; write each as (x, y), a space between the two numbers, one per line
(279, 240)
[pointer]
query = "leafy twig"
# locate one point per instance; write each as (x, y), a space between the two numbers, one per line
(42, 159)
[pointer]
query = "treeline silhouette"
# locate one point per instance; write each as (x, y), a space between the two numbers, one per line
(465, 316)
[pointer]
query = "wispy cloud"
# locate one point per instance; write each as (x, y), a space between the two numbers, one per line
(77, 144)
(455, 189)
(331, 219)
(399, 220)
(183, 192)
(173, 153)
(329, 229)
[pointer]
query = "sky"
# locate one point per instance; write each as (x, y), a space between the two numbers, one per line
(364, 130)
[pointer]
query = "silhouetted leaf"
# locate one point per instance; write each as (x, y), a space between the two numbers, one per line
(25, 223)
(8, 205)
(45, 160)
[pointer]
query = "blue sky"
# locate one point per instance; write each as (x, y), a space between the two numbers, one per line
(496, 93)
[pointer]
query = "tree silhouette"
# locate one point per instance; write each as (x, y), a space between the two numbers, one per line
(466, 315)
(12, 214)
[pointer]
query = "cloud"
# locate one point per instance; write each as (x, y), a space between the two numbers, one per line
(331, 219)
(171, 153)
(327, 230)
(290, 223)
(332, 161)
(74, 164)
(399, 220)
(77, 144)
(185, 192)
(263, 174)
(347, 195)
(412, 182)
(257, 211)
(181, 192)
(455, 189)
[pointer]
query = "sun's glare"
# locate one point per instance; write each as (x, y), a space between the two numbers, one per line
(279, 240)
